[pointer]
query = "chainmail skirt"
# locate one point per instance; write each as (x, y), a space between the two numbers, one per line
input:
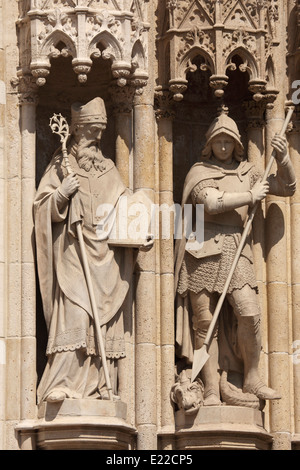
(211, 273)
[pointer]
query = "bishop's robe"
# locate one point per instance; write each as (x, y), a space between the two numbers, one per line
(65, 296)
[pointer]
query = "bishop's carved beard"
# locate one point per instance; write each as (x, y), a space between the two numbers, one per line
(89, 155)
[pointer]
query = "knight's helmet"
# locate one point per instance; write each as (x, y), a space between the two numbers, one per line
(223, 124)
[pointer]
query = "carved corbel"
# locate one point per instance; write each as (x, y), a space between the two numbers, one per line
(27, 89)
(164, 104)
(257, 87)
(121, 71)
(139, 84)
(28, 98)
(218, 83)
(122, 98)
(139, 77)
(82, 68)
(269, 97)
(254, 111)
(178, 86)
(40, 72)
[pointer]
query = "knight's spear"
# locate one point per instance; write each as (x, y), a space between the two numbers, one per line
(59, 125)
(201, 355)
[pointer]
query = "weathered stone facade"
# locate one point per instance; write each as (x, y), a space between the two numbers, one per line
(163, 69)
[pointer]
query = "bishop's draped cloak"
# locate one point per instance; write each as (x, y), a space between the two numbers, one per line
(64, 292)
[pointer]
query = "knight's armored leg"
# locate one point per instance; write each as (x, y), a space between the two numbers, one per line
(246, 308)
(203, 305)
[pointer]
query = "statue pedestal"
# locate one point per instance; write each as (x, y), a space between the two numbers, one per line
(222, 427)
(81, 425)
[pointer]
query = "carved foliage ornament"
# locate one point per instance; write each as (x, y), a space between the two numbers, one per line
(48, 4)
(87, 29)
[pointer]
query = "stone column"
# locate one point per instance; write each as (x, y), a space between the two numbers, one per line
(13, 273)
(277, 232)
(3, 212)
(147, 354)
(122, 98)
(28, 102)
(278, 294)
(10, 309)
(164, 115)
(145, 296)
(294, 141)
(256, 151)
(293, 10)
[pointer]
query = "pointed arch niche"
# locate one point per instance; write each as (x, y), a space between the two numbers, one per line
(213, 54)
(79, 49)
(199, 106)
(218, 53)
(58, 94)
(61, 90)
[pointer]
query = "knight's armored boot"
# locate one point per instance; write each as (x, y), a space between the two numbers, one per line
(250, 345)
(209, 373)
(203, 307)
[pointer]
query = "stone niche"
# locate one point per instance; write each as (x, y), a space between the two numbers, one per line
(218, 55)
(226, 426)
(196, 111)
(73, 424)
(52, 76)
(61, 90)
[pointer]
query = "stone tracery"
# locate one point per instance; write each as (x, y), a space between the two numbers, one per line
(217, 31)
(83, 30)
